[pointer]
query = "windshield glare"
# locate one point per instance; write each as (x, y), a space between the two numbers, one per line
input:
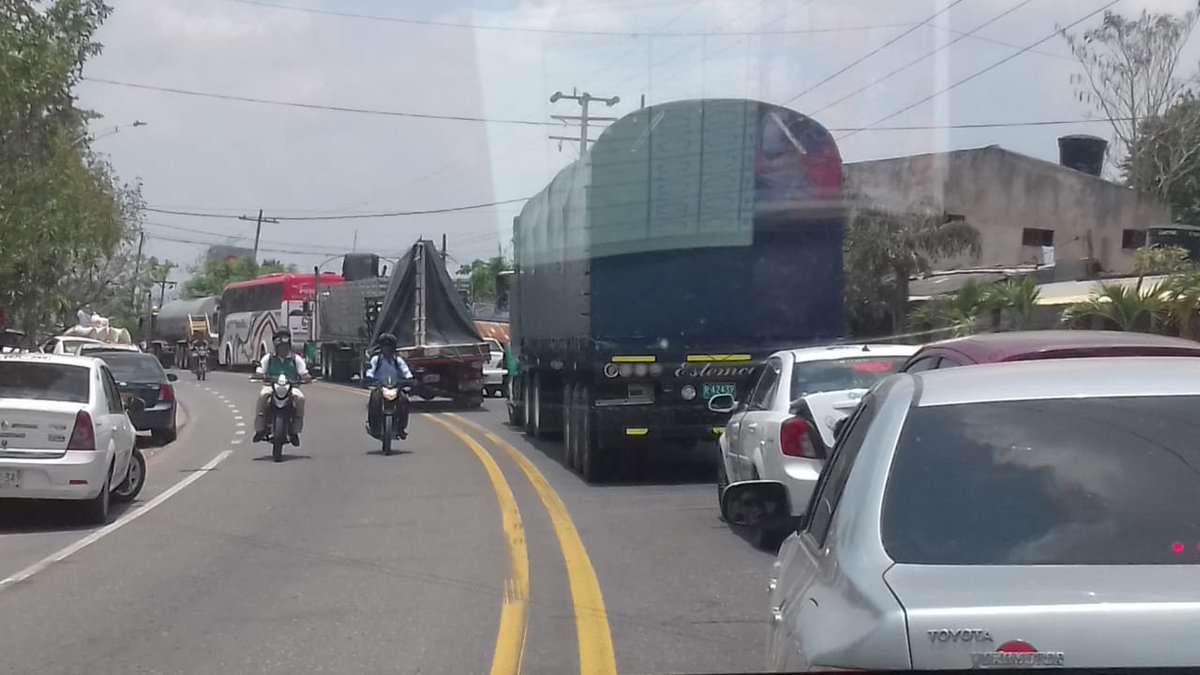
(44, 382)
(1073, 482)
(854, 373)
(134, 367)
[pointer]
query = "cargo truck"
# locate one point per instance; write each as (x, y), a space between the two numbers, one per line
(660, 270)
(418, 304)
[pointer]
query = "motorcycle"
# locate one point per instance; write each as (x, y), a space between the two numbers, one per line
(201, 368)
(280, 415)
(392, 395)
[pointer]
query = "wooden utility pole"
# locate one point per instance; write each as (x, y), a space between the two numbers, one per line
(258, 229)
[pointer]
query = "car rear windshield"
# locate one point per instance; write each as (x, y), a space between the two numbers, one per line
(44, 381)
(133, 367)
(1066, 481)
(853, 373)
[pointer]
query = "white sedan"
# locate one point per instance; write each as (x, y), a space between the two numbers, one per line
(784, 430)
(64, 431)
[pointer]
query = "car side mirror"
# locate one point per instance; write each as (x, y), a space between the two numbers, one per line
(135, 404)
(172, 377)
(722, 403)
(754, 503)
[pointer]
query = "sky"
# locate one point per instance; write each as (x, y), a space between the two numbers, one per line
(500, 61)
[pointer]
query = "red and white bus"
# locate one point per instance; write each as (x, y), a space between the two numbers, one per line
(251, 311)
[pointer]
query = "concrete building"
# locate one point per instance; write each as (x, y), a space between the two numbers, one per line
(1027, 210)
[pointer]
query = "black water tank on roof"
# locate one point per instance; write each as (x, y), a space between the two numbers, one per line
(357, 266)
(1082, 153)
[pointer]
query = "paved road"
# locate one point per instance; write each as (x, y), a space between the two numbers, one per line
(469, 552)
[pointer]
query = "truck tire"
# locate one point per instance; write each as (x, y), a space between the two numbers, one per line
(593, 464)
(535, 407)
(516, 415)
(569, 431)
(527, 396)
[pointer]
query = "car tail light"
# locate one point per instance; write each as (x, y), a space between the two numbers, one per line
(166, 393)
(83, 436)
(795, 439)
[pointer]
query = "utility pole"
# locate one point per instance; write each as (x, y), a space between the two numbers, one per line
(137, 270)
(585, 99)
(444, 252)
(258, 229)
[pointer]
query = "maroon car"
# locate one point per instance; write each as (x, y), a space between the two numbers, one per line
(1044, 344)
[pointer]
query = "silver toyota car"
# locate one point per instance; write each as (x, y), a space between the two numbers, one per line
(1018, 515)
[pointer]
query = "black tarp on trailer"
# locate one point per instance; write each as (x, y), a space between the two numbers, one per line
(447, 321)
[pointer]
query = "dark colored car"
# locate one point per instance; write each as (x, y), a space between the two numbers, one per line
(142, 376)
(1044, 344)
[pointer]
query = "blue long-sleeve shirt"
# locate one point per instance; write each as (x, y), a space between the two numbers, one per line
(380, 368)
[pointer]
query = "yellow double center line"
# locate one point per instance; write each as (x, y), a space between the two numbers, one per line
(514, 612)
(596, 656)
(591, 619)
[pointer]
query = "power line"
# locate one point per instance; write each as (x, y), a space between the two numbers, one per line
(960, 38)
(556, 31)
(232, 237)
(874, 51)
(343, 216)
(315, 106)
(986, 69)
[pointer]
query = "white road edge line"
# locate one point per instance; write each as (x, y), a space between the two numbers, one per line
(67, 551)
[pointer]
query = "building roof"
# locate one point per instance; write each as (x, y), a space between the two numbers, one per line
(1071, 292)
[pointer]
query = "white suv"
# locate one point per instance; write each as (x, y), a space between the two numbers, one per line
(64, 432)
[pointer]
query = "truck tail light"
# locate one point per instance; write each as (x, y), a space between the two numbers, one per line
(83, 436)
(795, 439)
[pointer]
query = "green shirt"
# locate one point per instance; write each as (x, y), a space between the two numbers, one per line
(276, 366)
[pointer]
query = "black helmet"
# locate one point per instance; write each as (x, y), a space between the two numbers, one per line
(387, 340)
(282, 335)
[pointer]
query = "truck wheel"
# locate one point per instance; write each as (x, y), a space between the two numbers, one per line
(592, 465)
(516, 415)
(535, 407)
(569, 432)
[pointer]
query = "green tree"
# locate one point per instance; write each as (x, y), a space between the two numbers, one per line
(481, 276)
(1135, 308)
(1131, 76)
(1161, 260)
(958, 312)
(64, 215)
(1016, 301)
(884, 248)
(214, 275)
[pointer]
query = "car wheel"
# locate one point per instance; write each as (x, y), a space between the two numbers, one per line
(135, 478)
(95, 510)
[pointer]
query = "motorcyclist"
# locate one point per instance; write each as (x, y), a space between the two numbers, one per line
(282, 362)
(386, 363)
(199, 351)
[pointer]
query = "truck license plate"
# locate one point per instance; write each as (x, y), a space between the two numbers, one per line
(432, 377)
(10, 478)
(712, 389)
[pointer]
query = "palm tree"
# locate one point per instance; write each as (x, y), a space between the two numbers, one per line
(957, 312)
(1128, 308)
(884, 243)
(1017, 298)
(1181, 300)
